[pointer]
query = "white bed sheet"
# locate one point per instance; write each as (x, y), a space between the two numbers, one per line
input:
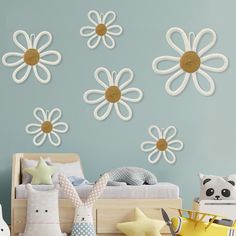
(158, 191)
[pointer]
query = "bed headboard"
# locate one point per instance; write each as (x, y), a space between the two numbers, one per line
(55, 157)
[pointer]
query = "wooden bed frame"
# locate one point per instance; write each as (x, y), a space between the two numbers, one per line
(107, 212)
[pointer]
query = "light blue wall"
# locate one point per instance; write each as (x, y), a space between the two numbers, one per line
(206, 125)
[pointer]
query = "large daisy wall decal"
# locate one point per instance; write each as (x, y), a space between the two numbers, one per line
(102, 29)
(192, 62)
(163, 144)
(48, 126)
(32, 57)
(114, 93)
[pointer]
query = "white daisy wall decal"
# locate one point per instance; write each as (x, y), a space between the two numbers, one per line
(32, 57)
(114, 93)
(102, 29)
(47, 126)
(191, 62)
(163, 144)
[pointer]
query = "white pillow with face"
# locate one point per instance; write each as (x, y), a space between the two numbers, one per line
(217, 188)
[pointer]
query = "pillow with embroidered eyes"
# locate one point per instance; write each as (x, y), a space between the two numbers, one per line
(217, 188)
(25, 164)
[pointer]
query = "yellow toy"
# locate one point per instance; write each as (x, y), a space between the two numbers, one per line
(141, 226)
(194, 225)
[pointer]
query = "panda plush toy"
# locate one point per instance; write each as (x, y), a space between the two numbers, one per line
(217, 188)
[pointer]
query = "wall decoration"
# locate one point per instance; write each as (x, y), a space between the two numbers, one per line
(32, 57)
(191, 62)
(48, 126)
(102, 29)
(113, 94)
(142, 225)
(163, 144)
(83, 221)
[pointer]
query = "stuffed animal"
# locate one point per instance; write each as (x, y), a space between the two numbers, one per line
(4, 230)
(42, 213)
(217, 188)
(83, 221)
(131, 176)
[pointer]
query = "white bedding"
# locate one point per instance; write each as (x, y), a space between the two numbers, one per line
(158, 191)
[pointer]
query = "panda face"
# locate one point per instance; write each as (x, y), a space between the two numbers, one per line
(217, 188)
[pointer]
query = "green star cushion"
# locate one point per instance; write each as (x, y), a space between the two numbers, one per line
(42, 173)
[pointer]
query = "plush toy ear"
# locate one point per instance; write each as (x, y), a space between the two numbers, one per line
(69, 190)
(231, 182)
(29, 187)
(97, 190)
(0, 212)
(201, 176)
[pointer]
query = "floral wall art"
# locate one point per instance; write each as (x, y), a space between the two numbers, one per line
(92, 77)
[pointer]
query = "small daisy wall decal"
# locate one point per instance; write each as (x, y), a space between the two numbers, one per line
(163, 144)
(114, 93)
(102, 29)
(191, 62)
(47, 126)
(31, 57)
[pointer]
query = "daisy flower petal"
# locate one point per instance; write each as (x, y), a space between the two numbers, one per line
(181, 87)
(94, 101)
(155, 132)
(39, 138)
(19, 70)
(33, 128)
(158, 60)
(109, 18)
(126, 107)
(54, 115)
(13, 55)
(46, 72)
(175, 145)
(107, 112)
(201, 90)
(94, 17)
(87, 31)
(212, 57)
(94, 41)
(184, 36)
(54, 139)
(169, 133)
(98, 78)
(132, 99)
(153, 158)
(108, 41)
(114, 30)
(40, 114)
(124, 72)
(198, 38)
(148, 146)
(169, 156)
(39, 37)
(26, 37)
(49, 53)
(60, 127)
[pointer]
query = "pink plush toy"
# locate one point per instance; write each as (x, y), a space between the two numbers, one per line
(4, 230)
(83, 222)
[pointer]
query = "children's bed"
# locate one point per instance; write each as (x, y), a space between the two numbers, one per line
(116, 205)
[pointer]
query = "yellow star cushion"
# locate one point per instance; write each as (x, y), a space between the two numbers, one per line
(42, 173)
(141, 226)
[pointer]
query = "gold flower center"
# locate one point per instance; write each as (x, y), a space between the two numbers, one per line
(46, 127)
(31, 57)
(190, 62)
(101, 29)
(113, 94)
(162, 144)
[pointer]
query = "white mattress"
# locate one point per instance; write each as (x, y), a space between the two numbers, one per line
(158, 191)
